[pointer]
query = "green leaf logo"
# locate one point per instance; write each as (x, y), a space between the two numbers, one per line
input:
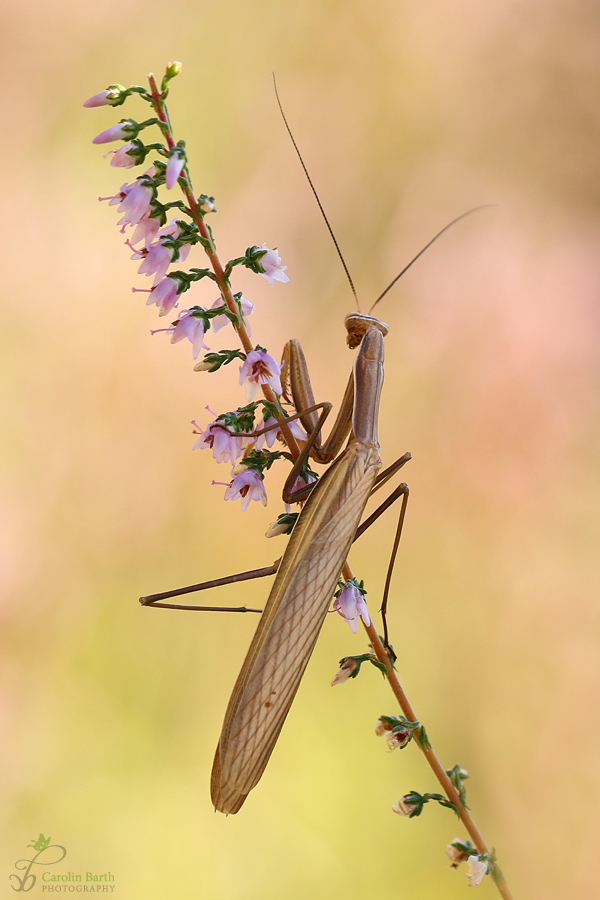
(41, 843)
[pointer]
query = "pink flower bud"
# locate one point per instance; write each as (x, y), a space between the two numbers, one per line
(122, 158)
(174, 169)
(276, 528)
(114, 133)
(101, 99)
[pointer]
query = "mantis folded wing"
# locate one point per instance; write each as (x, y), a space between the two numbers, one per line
(303, 587)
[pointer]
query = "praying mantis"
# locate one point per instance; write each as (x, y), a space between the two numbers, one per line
(315, 558)
(309, 570)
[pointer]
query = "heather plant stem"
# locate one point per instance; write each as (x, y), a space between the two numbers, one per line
(216, 263)
(428, 752)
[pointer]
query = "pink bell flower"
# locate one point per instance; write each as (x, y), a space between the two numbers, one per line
(351, 605)
(134, 202)
(115, 133)
(121, 157)
(164, 295)
(300, 483)
(247, 486)
(220, 321)
(271, 263)
(269, 437)
(146, 230)
(225, 447)
(174, 169)
(191, 327)
(259, 368)
(156, 259)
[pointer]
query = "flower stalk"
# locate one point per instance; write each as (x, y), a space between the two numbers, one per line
(428, 752)
(219, 273)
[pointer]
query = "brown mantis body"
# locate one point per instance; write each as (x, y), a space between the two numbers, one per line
(303, 588)
(310, 568)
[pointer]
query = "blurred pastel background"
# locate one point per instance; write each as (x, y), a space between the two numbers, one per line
(407, 114)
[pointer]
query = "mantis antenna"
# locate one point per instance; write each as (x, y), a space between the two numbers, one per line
(333, 238)
(426, 247)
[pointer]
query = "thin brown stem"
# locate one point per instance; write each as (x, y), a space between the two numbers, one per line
(429, 754)
(224, 288)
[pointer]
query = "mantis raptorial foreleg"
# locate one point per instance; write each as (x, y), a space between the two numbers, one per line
(297, 380)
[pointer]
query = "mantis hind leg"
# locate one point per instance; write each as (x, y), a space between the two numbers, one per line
(156, 600)
(401, 491)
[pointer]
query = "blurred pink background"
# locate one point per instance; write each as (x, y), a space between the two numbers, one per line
(407, 115)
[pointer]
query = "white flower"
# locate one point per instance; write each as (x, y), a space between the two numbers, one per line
(476, 870)
(455, 854)
(382, 727)
(205, 204)
(402, 808)
(344, 672)
(271, 263)
(397, 739)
